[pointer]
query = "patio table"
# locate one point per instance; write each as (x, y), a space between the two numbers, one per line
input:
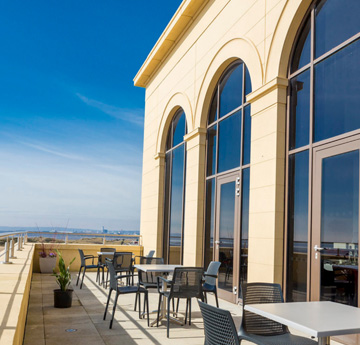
(317, 319)
(165, 269)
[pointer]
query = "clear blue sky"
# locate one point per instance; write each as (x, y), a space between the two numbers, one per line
(71, 121)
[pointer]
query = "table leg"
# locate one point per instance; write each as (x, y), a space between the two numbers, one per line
(324, 341)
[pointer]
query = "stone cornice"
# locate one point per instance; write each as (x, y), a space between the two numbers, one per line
(195, 133)
(274, 84)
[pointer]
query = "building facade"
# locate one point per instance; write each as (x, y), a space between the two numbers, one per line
(251, 144)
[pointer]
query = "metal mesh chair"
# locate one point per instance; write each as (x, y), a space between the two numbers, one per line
(102, 262)
(123, 263)
(186, 283)
(210, 276)
(148, 280)
(84, 266)
(122, 290)
(260, 330)
(219, 327)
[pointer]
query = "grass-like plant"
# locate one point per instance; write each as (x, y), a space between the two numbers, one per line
(63, 277)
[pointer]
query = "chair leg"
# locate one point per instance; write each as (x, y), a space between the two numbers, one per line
(114, 308)
(136, 298)
(140, 305)
(177, 305)
(144, 302)
(82, 280)
(186, 310)
(168, 318)
(102, 276)
(107, 303)
(158, 313)
(77, 282)
(147, 307)
(189, 311)
(216, 298)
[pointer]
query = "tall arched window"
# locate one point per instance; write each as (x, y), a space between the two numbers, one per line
(175, 167)
(323, 155)
(228, 177)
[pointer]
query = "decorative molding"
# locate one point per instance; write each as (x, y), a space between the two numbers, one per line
(274, 84)
(195, 133)
(159, 155)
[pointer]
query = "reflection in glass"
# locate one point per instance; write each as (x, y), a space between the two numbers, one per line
(213, 114)
(244, 224)
(226, 235)
(297, 227)
(231, 90)
(209, 220)
(229, 142)
(302, 52)
(247, 136)
(335, 22)
(179, 128)
(337, 91)
(248, 87)
(176, 213)
(339, 228)
(300, 110)
(211, 151)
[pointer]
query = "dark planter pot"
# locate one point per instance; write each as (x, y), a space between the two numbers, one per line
(62, 299)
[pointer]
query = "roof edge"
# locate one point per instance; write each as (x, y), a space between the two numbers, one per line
(186, 12)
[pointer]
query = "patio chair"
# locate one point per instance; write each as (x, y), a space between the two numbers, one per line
(84, 266)
(210, 276)
(148, 280)
(122, 290)
(260, 330)
(102, 263)
(219, 327)
(123, 263)
(186, 283)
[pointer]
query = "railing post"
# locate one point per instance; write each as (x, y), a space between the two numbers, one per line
(66, 238)
(26, 238)
(104, 240)
(12, 247)
(19, 242)
(7, 249)
(23, 241)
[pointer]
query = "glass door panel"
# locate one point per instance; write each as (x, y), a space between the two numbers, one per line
(336, 224)
(227, 234)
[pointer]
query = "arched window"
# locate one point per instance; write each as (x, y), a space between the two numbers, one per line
(175, 167)
(322, 202)
(228, 175)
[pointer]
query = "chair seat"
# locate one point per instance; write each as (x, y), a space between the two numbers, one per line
(148, 285)
(130, 289)
(91, 266)
(209, 288)
(286, 339)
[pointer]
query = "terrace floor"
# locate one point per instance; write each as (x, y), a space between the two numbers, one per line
(47, 325)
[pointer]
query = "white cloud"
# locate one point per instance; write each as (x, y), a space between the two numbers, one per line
(129, 115)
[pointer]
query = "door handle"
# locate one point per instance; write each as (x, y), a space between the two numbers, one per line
(217, 242)
(318, 249)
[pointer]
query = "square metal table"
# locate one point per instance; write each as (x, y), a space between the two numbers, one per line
(159, 268)
(317, 319)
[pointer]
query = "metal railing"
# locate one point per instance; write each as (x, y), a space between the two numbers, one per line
(18, 239)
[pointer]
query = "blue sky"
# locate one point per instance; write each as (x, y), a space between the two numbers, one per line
(71, 121)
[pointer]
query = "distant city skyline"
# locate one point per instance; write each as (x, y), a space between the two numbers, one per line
(71, 131)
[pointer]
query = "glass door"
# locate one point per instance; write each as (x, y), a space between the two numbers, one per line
(335, 230)
(227, 237)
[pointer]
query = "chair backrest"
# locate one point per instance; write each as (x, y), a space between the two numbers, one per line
(103, 257)
(82, 257)
(219, 327)
(257, 293)
(212, 269)
(187, 282)
(122, 261)
(112, 275)
(151, 253)
(149, 277)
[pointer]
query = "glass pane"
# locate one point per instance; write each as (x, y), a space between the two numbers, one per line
(229, 142)
(339, 228)
(231, 90)
(337, 91)
(335, 22)
(211, 151)
(247, 135)
(213, 115)
(226, 235)
(179, 128)
(248, 88)
(300, 110)
(297, 227)
(176, 213)
(209, 220)
(302, 50)
(244, 225)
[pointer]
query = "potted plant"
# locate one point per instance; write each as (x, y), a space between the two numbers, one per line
(63, 296)
(47, 257)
